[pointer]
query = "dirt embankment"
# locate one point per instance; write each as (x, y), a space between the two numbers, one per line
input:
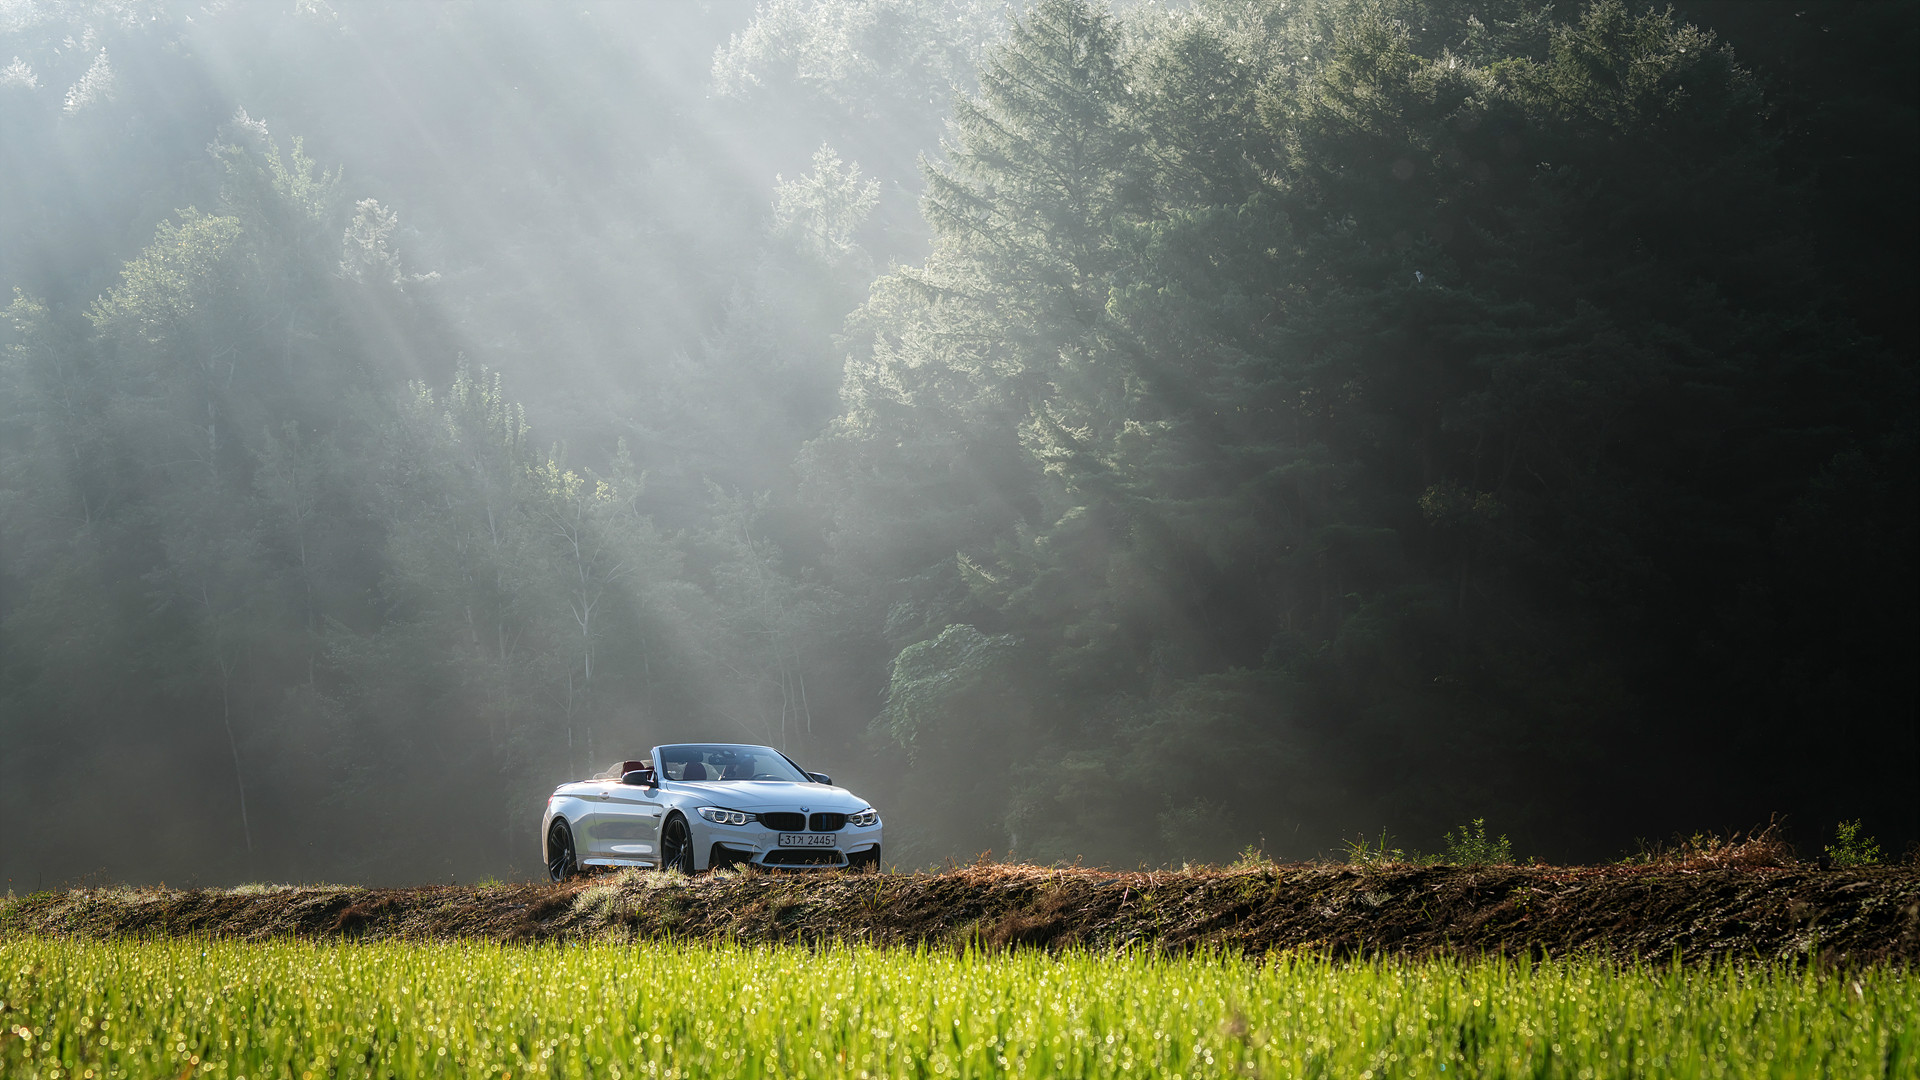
(1650, 913)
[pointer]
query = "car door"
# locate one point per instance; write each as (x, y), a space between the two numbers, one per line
(629, 822)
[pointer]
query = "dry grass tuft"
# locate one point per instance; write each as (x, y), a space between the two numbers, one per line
(1756, 849)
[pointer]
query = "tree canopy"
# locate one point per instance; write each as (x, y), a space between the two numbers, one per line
(1247, 424)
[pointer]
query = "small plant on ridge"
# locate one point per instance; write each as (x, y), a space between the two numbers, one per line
(1363, 852)
(1851, 848)
(1472, 847)
(1252, 857)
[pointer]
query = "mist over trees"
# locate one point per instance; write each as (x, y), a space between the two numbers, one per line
(1124, 433)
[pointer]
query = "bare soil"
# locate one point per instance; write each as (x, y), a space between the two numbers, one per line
(1656, 913)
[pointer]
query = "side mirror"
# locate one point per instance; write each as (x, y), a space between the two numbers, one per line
(639, 778)
(820, 778)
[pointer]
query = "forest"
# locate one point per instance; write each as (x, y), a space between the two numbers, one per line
(1120, 433)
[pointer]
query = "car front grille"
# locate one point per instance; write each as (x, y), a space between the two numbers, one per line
(787, 821)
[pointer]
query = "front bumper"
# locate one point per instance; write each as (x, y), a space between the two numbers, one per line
(756, 845)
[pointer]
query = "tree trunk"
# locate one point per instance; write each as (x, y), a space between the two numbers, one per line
(233, 746)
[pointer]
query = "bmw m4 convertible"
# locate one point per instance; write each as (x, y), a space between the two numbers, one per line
(699, 806)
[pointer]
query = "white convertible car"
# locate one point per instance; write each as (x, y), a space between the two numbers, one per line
(700, 806)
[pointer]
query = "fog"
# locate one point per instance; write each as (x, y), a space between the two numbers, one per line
(1128, 434)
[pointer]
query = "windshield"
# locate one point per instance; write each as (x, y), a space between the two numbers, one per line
(725, 761)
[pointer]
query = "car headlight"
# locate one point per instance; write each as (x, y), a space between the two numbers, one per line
(869, 816)
(721, 816)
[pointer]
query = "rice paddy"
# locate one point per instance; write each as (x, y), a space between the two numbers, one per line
(299, 1009)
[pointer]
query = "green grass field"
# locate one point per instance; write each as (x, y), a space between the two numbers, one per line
(304, 1010)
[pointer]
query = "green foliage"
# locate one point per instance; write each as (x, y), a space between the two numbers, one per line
(1252, 857)
(821, 210)
(868, 57)
(953, 706)
(1851, 847)
(1379, 349)
(944, 673)
(159, 1008)
(180, 274)
(367, 252)
(1471, 846)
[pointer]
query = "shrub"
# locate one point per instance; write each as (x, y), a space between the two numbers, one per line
(1252, 857)
(1472, 847)
(1851, 848)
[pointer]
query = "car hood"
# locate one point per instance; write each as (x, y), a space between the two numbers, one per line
(769, 795)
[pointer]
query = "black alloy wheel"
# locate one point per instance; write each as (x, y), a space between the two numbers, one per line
(676, 845)
(562, 863)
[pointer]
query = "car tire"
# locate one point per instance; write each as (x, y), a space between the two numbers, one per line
(563, 861)
(676, 845)
(864, 860)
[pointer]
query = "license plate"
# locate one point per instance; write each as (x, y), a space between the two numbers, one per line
(801, 839)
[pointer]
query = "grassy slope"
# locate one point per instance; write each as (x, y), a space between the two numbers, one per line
(1625, 913)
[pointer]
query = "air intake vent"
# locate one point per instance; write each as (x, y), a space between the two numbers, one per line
(784, 821)
(828, 822)
(783, 857)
